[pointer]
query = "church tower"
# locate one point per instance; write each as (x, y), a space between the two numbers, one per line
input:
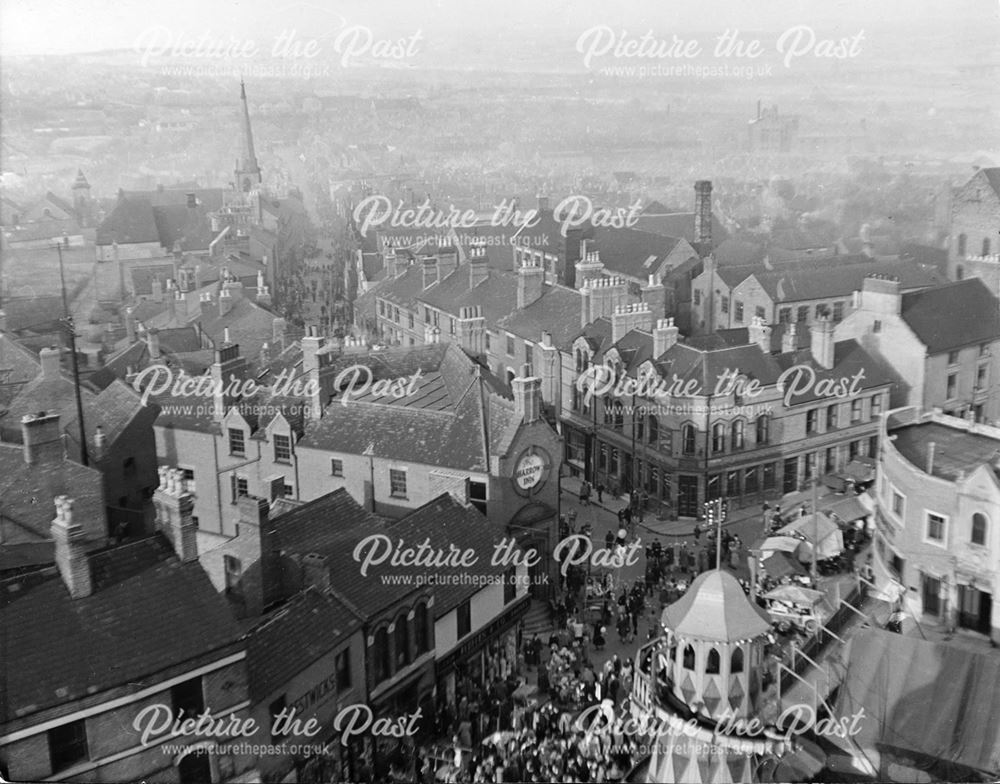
(247, 169)
(81, 198)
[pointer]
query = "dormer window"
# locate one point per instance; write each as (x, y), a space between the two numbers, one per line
(237, 442)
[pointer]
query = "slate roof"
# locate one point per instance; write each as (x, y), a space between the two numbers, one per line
(632, 252)
(142, 279)
(114, 409)
(973, 315)
(992, 175)
(443, 424)
(497, 294)
(331, 526)
(557, 312)
(26, 492)
(445, 522)
(17, 365)
(148, 612)
(131, 221)
(55, 396)
(250, 325)
(956, 451)
(789, 285)
(679, 224)
(293, 637)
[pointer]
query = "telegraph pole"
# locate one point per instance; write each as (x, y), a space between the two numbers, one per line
(67, 320)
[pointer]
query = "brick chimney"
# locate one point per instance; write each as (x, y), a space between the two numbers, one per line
(228, 365)
(530, 280)
(153, 341)
(789, 339)
(175, 513)
(759, 332)
(156, 289)
(430, 271)
(261, 586)
(527, 396)
(447, 261)
(316, 572)
(71, 555)
(100, 442)
(51, 363)
(312, 344)
(589, 267)
(880, 295)
(471, 329)
(179, 309)
(479, 269)
(629, 317)
(703, 217)
(821, 334)
(665, 335)
(235, 289)
(225, 301)
(600, 297)
(41, 439)
(197, 277)
(549, 369)
(654, 294)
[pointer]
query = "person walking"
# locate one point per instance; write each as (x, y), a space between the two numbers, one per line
(585, 493)
(600, 493)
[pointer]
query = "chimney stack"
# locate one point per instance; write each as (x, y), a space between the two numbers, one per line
(665, 336)
(629, 317)
(880, 295)
(235, 289)
(447, 261)
(153, 341)
(479, 269)
(41, 438)
(759, 332)
(821, 335)
(789, 339)
(175, 513)
(430, 271)
(100, 442)
(228, 370)
(654, 294)
(703, 217)
(225, 301)
(600, 297)
(316, 572)
(589, 267)
(472, 329)
(262, 586)
(530, 281)
(71, 555)
(527, 396)
(156, 289)
(50, 360)
(931, 446)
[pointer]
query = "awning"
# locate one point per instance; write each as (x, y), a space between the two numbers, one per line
(819, 532)
(848, 509)
(860, 469)
(780, 565)
(781, 544)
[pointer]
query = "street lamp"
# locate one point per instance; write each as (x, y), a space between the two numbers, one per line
(716, 512)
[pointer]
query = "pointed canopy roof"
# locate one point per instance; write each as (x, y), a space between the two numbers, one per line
(716, 608)
(248, 156)
(80, 181)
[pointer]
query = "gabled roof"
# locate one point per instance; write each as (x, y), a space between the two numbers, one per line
(131, 221)
(841, 280)
(973, 315)
(632, 252)
(716, 608)
(18, 365)
(557, 312)
(992, 175)
(114, 409)
(332, 526)
(56, 396)
(445, 523)
(250, 325)
(149, 612)
(293, 637)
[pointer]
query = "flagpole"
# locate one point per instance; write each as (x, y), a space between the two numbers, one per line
(71, 328)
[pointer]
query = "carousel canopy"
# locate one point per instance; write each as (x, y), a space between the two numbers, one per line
(716, 608)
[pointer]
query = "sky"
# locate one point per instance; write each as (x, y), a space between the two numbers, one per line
(66, 26)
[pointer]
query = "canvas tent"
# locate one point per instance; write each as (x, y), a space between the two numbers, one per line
(928, 707)
(820, 532)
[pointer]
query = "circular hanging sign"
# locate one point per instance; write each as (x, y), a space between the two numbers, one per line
(530, 471)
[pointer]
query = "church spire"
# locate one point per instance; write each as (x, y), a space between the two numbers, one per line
(248, 171)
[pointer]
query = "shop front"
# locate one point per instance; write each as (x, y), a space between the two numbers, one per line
(485, 656)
